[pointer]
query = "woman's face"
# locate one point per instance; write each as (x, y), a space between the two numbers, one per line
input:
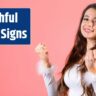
(88, 24)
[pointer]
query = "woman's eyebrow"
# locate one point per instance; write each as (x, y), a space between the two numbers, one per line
(86, 16)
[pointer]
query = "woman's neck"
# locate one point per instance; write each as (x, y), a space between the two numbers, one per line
(90, 43)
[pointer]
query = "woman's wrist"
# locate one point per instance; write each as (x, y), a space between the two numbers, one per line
(46, 63)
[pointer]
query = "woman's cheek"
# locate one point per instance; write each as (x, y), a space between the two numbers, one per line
(82, 25)
(82, 30)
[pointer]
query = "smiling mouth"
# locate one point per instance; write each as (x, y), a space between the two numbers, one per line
(87, 30)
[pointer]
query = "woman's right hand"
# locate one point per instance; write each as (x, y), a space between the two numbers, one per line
(90, 60)
(42, 52)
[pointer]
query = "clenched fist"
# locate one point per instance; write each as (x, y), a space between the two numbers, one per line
(90, 60)
(42, 52)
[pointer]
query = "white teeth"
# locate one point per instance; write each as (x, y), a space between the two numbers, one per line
(88, 30)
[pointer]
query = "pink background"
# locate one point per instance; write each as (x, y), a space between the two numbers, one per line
(53, 22)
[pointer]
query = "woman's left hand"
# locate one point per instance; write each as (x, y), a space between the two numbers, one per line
(90, 60)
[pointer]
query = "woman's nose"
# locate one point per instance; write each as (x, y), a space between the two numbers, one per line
(90, 23)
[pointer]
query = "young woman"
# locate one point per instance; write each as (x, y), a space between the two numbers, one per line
(79, 74)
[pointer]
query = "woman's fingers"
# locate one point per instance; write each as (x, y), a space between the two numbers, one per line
(94, 52)
(90, 60)
(41, 48)
(42, 51)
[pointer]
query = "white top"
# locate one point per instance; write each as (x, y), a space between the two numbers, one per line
(72, 79)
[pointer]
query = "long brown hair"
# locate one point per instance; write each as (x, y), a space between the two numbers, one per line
(76, 54)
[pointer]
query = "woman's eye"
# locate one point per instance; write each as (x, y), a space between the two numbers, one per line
(85, 19)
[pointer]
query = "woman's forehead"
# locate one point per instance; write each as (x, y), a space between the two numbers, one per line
(91, 12)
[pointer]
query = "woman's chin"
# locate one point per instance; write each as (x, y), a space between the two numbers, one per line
(89, 35)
